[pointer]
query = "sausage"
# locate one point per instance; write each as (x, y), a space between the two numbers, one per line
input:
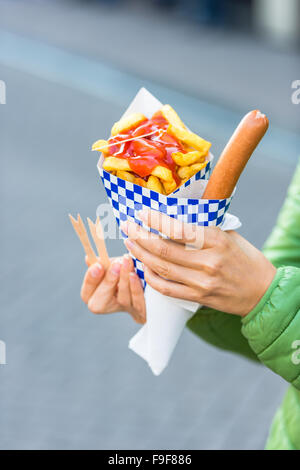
(235, 155)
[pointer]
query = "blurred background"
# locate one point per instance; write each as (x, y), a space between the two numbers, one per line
(70, 68)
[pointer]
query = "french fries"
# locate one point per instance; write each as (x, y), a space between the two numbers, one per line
(171, 116)
(185, 159)
(151, 141)
(186, 172)
(169, 186)
(197, 167)
(127, 123)
(125, 175)
(163, 173)
(116, 164)
(189, 138)
(140, 182)
(121, 164)
(154, 184)
(101, 145)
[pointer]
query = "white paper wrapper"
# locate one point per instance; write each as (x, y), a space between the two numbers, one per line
(166, 317)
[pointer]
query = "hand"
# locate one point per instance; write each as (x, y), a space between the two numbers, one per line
(117, 289)
(222, 270)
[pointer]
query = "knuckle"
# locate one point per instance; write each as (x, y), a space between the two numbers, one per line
(221, 238)
(139, 319)
(225, 242)
(165, 290)
(214, 266)
(123, 301)
(208, 286)
(163, 250)
(216, 234)
(177, 232)
(193, 233)
(157, 285)
(217, 231)
(195, 295)
(162, 269)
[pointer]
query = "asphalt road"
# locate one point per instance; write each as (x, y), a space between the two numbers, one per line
(238, 70)
(70, 382)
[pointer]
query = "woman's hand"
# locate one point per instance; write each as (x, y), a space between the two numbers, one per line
(117, 289)
(203, 264)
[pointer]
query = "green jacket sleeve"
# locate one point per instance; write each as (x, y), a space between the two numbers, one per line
(273, 326)
(282, 248)
(221, 330)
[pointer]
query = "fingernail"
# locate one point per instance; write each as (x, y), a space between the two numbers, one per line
(129, 244)
(125, 260)
(96, 270)
(115, 269)
(143, 214)
(124, 226)
(190, 231)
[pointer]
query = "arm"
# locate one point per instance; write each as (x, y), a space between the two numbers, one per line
(282, 248)
(273, 326)
(221, 330)
(224, 272)
(270, 332)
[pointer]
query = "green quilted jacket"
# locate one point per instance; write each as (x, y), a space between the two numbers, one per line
(271, 332)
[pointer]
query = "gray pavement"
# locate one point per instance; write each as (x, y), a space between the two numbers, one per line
(70, 381)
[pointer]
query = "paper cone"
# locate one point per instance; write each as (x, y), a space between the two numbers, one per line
(166, 317)
(155, 341)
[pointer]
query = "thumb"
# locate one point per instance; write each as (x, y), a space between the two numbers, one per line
(92, 278)
(107, 288)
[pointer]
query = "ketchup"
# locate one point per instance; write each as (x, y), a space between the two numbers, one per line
(146, 153)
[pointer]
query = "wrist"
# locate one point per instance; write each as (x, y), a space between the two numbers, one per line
(262, 286)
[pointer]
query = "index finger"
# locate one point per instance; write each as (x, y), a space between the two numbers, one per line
(181, 232)
(92, 278)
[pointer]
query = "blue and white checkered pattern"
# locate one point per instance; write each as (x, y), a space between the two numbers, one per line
(127, 199)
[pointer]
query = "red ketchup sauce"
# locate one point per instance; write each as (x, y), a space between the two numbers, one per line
(145, 153)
